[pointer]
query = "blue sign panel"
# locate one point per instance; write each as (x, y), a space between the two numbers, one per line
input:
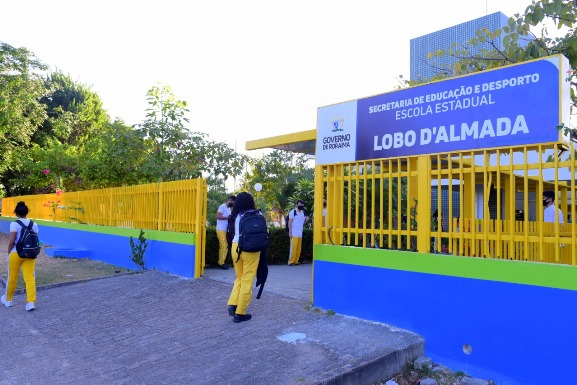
(514, 105)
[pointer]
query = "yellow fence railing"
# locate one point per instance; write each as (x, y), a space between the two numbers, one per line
(483, 203)
(178, 206)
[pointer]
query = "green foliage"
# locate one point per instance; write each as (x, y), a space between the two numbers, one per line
(173, 152)
(216, 196)
(74, 206)
(74, 112)
(279, 173)
(112, 158)
(305, 190)
(138, 250)
(21, 87)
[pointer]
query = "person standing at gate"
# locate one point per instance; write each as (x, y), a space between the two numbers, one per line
(222, 214)
(297, 220)
(550, 207)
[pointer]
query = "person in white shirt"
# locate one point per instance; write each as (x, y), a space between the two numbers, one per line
(222, 215)
(297, 220)
(550, 207)
(15, 263)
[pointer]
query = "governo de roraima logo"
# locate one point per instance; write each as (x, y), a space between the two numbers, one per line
(338, 124)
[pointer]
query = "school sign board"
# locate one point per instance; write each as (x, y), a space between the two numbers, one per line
(516, 105)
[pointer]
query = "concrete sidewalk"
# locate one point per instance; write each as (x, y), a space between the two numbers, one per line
(153, 328)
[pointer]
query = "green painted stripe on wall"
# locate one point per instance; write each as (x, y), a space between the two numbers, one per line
(153, 235)
(527, 273)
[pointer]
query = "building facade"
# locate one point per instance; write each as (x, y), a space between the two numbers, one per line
(421, 46)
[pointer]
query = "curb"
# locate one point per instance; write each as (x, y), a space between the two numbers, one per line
(380, 369)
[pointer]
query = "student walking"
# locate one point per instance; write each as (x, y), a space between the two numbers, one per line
(15, 262)
(245, 265)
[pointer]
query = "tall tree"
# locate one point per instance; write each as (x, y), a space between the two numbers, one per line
(21, 87)
(74, 111)
(73, 114)
(174, 151)
(112, 158)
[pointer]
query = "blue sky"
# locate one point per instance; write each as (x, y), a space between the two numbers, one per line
(248, 69)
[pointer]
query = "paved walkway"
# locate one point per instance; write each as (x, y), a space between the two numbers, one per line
(153, 328)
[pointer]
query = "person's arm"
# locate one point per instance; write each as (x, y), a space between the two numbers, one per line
(220, 216)
(290, 227)
(11, 241)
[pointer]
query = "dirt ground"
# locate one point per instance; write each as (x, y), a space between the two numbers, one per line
(57, 270)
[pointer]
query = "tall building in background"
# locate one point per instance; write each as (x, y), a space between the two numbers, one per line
(421, 68)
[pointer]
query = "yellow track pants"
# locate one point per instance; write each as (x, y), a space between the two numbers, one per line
(295, 251)
(245, 271)
(27, 265)
(223, 246)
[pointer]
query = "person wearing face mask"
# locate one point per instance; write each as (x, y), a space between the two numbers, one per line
(297, 220)
(549, 206)
(222, 215)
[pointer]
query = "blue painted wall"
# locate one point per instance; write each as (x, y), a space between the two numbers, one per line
(520, 334)
(170, 252)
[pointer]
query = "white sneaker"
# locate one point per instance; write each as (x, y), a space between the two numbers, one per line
(30, 306)
(6, 303)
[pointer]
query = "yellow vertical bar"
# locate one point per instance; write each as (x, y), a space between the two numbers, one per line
(339, 216)
(318, 204)
(160, 206)
(364, 218)
(540, 204)
(412, 193)
(424, 207)
(390, 195)
(557, 225)
(381, 202)
(450, 196)
(373, 212)
(573, 197)
(462, 222)
(499, 219)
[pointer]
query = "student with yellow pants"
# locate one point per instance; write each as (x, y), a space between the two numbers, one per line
(297, 220)
(222, 214)
(15, 262)
(245, 267)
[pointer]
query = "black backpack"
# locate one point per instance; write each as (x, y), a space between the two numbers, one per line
(28, 245)
(253, 233)
(230, 229)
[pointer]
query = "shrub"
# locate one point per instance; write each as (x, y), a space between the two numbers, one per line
(278, 251)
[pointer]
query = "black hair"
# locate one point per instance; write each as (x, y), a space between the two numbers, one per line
(244, 201)
(300, 201)
(21, 209)
(232, 198)
(549, 194)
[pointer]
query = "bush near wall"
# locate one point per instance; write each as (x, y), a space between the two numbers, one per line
(278, 252)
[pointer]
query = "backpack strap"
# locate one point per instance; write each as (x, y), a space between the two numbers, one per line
(29, 227)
